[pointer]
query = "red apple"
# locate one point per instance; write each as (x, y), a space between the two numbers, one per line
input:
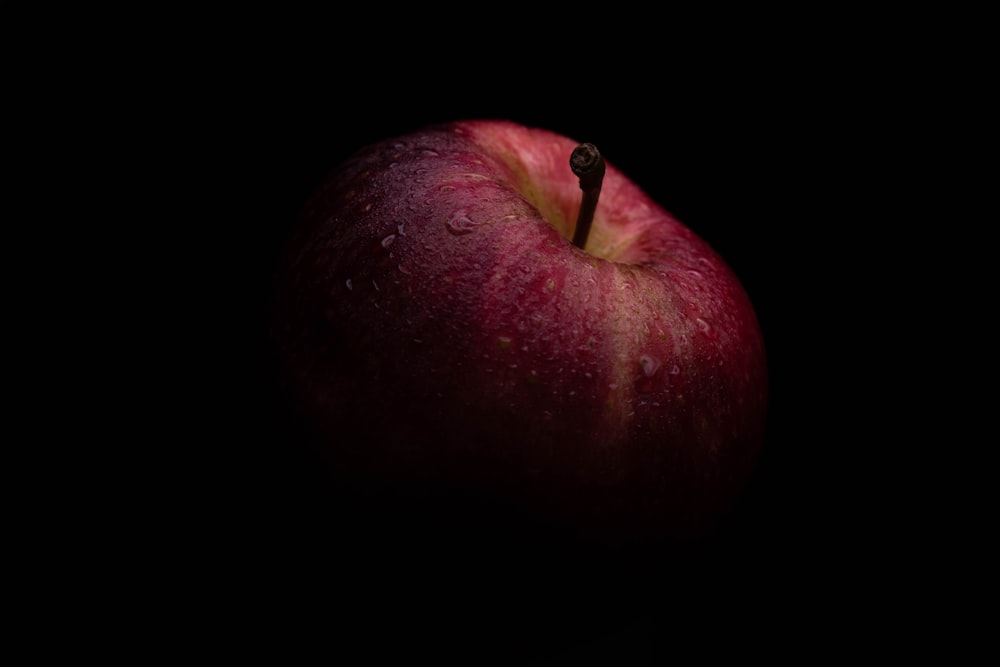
(445, 337)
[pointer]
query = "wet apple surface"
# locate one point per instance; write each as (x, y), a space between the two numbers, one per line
(445, 338)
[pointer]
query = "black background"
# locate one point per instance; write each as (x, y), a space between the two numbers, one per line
(753, 143)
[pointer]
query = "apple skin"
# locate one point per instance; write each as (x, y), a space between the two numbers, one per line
(443, 339)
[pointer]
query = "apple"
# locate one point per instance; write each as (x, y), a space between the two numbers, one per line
(489, 316)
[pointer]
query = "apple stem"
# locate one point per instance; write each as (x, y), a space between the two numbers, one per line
(588, 165)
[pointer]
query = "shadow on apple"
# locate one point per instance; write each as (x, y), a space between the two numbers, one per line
(496, 410)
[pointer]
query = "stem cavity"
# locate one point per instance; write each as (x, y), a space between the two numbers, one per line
(588, 165)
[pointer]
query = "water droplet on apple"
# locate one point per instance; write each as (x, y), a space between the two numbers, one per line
(649, 365)
(460, 223)
(350, 284)
(675, 369)
(706, 327)
(387, 241)
(400, 227)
